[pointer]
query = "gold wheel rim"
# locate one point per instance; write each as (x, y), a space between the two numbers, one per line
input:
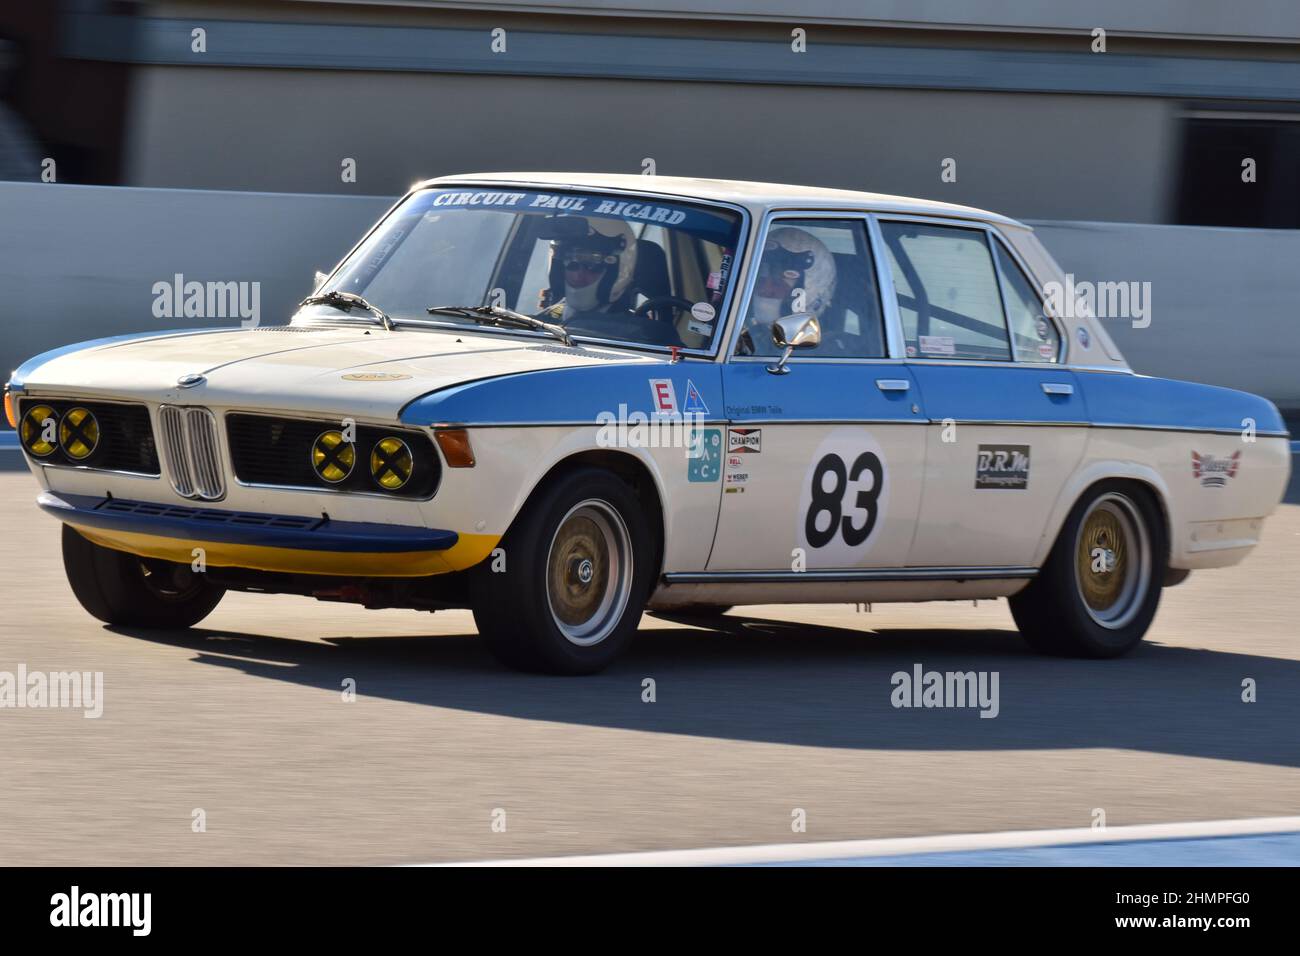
(1112, 561)
(1102, 559)
(589, 572)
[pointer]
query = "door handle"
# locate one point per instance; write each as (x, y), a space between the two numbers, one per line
(893, 384)
(1058, 388)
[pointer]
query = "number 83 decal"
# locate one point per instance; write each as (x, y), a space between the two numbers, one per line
(844, 494)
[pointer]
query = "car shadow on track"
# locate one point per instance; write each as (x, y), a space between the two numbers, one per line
(762, 680)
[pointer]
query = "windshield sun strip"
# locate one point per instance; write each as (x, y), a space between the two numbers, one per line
(716, 343)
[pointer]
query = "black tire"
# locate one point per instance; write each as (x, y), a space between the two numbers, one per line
(533, 614)
(120, 588)
(1099, 589)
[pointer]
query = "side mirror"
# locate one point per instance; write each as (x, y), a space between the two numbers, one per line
(319, 280)
(790, 332)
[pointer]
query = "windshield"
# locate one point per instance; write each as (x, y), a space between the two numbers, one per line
(642, 270)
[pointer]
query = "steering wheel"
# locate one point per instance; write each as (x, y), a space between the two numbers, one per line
(675, 301)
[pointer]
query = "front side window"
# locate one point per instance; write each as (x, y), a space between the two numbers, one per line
(641, 270)
(947, 292)
(820, 267)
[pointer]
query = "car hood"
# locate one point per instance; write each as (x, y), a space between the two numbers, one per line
(364, 373)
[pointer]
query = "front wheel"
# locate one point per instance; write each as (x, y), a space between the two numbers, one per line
(1098, 591)
(121, 588)
(576, 572)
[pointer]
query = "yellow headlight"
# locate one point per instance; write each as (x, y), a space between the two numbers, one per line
(79, 433)
(391, 463)
(38, 432)
(332, 458)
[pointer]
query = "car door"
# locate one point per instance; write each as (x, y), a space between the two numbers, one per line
(821, 461)
(1008, 424)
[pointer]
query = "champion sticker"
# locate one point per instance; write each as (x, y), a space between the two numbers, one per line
(744, 440)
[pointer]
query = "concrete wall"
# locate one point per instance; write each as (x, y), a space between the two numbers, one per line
(1263, 19)
(1224, 301)
(1039, 156)
(79, 262)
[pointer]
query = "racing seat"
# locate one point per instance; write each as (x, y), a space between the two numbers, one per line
(854, 291)
(650, 277)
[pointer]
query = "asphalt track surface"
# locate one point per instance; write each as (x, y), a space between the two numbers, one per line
(778, 708)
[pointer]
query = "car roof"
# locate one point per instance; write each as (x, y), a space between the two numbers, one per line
(756, 196)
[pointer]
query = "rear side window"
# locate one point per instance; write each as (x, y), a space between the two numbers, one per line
(1033, 336)
(947, 292)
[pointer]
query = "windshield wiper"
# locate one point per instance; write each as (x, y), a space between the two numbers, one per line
(505, 318)
(346, 302)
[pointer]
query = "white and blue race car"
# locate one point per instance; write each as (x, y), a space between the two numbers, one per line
(562, 399)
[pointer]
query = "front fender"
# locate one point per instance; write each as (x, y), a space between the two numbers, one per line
(522, 426)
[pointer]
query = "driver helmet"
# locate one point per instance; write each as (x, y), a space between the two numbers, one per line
(793, 259)
(594, 270)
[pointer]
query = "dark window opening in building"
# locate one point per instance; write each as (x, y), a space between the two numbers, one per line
(1212, 191)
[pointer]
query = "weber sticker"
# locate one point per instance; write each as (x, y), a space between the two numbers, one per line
(1002, 466)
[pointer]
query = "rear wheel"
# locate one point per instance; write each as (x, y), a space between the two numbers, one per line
(1098, 591)
(121, 588)
(575, 577)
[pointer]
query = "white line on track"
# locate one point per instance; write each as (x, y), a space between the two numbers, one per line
(899, 846)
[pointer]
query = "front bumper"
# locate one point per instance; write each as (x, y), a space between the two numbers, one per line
(293, 544)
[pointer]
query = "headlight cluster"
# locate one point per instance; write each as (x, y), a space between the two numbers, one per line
(333, 458)
(300, 453)
(87, 433)
(75, 433)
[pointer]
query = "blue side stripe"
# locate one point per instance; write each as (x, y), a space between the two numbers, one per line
(246, 528)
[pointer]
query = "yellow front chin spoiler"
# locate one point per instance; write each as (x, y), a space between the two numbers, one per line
(468, 551)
